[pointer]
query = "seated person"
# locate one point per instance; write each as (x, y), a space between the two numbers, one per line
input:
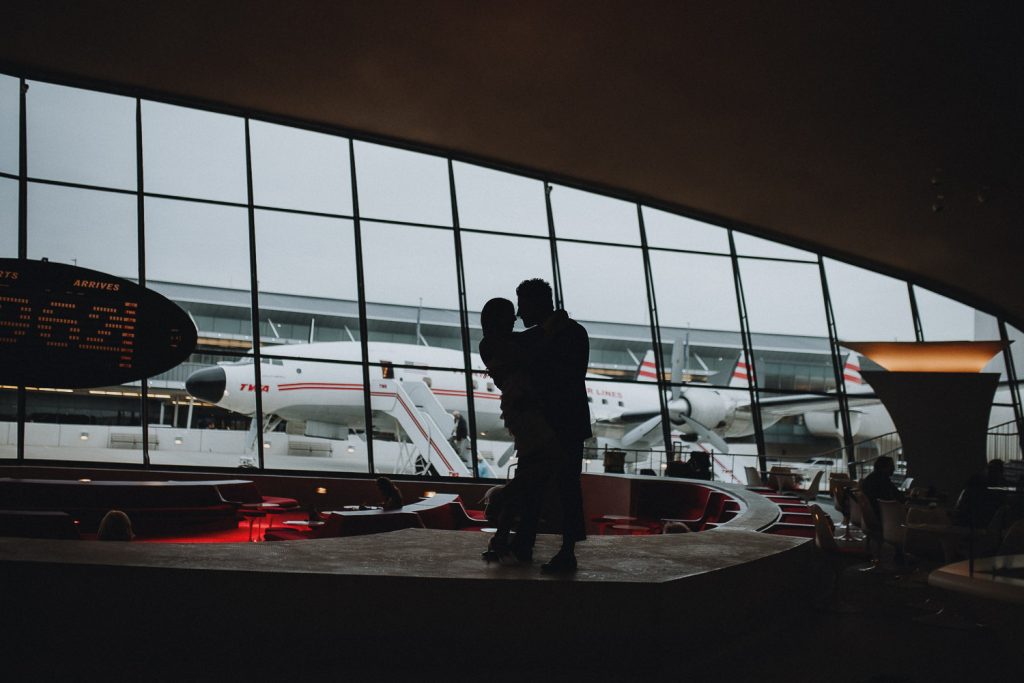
(878, 485)
(115, 526)
(978, 504)
(675, 528)
(678, 468)
(392, 497)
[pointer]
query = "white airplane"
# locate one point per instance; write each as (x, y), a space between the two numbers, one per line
(328, 397)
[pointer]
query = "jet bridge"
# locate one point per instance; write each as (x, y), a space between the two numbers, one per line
(420, 414)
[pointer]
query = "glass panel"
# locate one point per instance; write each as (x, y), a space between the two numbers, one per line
(783, 298)
(398, 185)
(410, 276)
(868, 306)
(103, 424)
(192, 153)
(81, 136)
(494, 266)
(303, 256)
(869, 419)
(9, 119)
(88, 228)
(8, 422)
(588, 216)
(609, 399)
(748, 245)
(794, 439)
(591, 273)
(696, 299)
(8, 218)
(197, 244)
(210, 428)
(678, 232)
(492, 200)
(300, 169)
(942, 318)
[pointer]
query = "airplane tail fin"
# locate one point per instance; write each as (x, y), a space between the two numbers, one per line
(648, 371)
(741, 373)
(851, 374)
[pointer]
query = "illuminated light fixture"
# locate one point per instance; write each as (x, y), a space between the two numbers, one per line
(84, 436)
(351, 449)
(429, 494)
(664, 465)
(266, 444)
(85, 480)
(953, 356)
(483, 433)
(321, 490)
(177, 440)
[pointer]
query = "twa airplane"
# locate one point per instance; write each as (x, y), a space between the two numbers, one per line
(328, 397)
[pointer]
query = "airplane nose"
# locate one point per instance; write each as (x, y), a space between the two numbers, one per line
(207, 384)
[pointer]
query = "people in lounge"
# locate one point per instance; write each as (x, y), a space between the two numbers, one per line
(391, 496)
(115, 526)
(878, 485)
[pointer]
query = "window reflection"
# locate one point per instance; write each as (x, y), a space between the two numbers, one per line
(398, 185)
(81, 136)
(300, 169)
(87, 228)
(492, 200)
(192, 153)
(9, 123)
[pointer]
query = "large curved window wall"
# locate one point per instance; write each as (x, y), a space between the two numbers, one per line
(352, 262)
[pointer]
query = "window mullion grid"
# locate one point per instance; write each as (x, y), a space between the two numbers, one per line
(140, 205)
(255, 303)
(838, 367)
(652, 313)
(460, 276)
(748, 351)
(364, 346)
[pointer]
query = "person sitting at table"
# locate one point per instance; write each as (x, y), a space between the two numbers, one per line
(675, 528)
(115, 526)
(878, 485)
(392, 497)
(977, 504)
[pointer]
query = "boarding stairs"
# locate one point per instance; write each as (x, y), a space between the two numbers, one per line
(420, 415)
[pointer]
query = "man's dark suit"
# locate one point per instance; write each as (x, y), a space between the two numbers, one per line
(560, 353)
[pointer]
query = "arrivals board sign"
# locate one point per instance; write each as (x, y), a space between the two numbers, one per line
(69, 327)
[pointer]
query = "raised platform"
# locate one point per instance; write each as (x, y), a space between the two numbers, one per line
(411, 603)
(995, 578)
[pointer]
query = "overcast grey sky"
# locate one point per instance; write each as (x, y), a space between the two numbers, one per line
(85, 137)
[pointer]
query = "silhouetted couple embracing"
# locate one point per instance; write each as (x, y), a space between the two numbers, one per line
(541, 373)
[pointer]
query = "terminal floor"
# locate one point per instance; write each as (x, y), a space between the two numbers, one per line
(885, 628)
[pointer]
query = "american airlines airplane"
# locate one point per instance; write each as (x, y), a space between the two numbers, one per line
(328, 397)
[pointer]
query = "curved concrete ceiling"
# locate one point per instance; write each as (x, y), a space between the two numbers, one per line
(888, 134)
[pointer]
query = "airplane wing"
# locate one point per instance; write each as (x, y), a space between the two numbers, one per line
(786, 406)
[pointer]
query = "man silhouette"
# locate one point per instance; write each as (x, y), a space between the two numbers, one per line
(560, 352)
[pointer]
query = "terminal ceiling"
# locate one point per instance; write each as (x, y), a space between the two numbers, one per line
(889, 135)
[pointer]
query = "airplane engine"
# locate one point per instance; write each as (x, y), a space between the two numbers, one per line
(830, 424)
(706, 407)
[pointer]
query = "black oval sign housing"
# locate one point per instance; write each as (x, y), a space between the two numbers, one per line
(68, 327)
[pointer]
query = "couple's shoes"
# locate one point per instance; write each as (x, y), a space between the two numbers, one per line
(507, 555)
(564, 562)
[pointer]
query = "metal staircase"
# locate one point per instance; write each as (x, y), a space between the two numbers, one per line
(420, 415)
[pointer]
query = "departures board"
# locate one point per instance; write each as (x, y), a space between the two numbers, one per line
(69, 327)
